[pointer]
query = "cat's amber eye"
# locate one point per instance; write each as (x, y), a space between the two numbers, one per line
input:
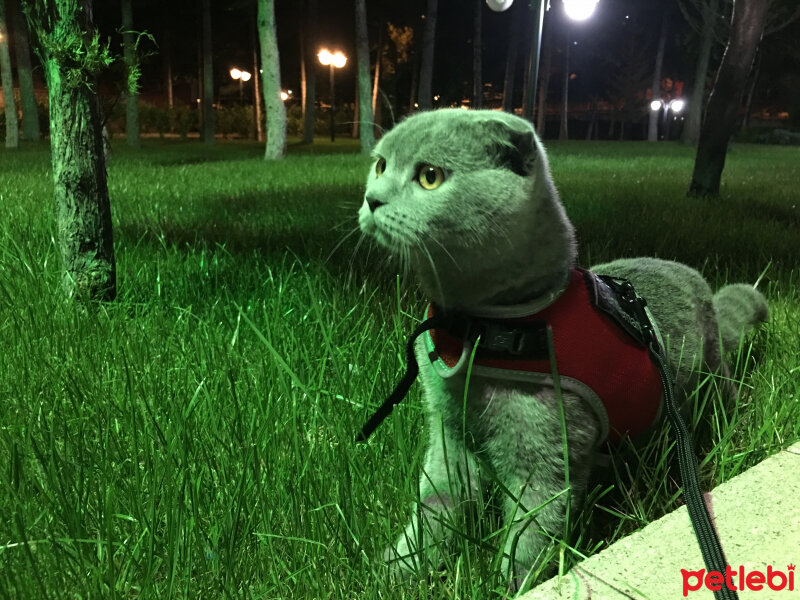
(430, 177)
(380, 167)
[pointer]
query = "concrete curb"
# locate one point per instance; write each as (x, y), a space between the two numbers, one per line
(757, 515)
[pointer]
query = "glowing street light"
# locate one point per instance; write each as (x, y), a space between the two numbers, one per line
(242, 76)
(675, 106)
(579, 10)
(333, 60)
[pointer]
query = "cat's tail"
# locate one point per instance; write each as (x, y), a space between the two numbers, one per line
(739, 307)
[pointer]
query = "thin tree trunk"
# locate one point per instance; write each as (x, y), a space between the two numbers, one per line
(30, 112)
(12, 122)
(511, 61)
(652, 124)
(132, 99)
(547, 60)
(366, 132)
(166, 54)
(562, 132)
(208, 76)
(377, 80)
(412, 98)
(259, 132)
(79, 170)
(477, 52)
(747, 26)
(694, 112)
(426, 68)
(270, 64)
(592, 121)
(309, 65)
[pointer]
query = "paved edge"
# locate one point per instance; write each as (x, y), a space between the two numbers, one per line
(757, 515)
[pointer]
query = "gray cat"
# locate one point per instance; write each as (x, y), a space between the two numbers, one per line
(466, 200)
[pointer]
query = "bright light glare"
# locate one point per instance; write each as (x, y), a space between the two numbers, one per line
(284, 96)
(676, 106)
(339, 60)
(579, 10)
(236, 73)
(655, 105)
(246, 76)
(325, 57)
(499, 5)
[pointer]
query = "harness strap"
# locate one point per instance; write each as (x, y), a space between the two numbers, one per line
(639, 326)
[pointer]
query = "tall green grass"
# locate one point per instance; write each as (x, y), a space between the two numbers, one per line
(195, 437)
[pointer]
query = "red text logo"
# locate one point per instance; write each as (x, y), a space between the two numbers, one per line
(738, 579)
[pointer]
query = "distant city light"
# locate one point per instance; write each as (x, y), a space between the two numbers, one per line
(579, 10)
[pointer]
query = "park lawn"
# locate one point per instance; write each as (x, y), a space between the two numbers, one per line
(194, 438)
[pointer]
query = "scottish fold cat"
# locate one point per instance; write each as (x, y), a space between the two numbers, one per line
(465, 199)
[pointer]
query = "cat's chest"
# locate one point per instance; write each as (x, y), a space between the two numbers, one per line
(476, 405)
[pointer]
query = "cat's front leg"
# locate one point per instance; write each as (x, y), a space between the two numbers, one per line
(528, 455)
(449, 483)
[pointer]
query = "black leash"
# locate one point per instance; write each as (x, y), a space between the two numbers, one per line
(401, 389)
(628, 309)
(706, 534)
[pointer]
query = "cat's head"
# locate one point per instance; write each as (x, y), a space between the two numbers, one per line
(466, 199)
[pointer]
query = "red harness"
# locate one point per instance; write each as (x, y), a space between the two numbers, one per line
(594, 357)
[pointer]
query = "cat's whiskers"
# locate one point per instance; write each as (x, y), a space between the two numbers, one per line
(342, 240)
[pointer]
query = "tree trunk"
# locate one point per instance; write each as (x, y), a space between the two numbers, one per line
(562, 132)
(166, 55)
(12, 123)
(208, 76)
(132, 100)
(511, 62)
(377, 76)
(652, 124)
(748, 105)
(426, 68)
(536, 18)
(79, 170)
(366, 132)
(547, 59)
(590, 131)
(259, 131)
(477, 52)
(412, 98)
(309, 68)
(270, 64)
(747, 26)
(30, 112)
(694, 113)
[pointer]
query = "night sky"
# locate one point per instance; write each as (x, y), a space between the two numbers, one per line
(621, 33)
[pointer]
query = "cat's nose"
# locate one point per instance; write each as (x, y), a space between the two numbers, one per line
(373, 204)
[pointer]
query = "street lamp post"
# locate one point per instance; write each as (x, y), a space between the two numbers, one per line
(242, 76)
(577, 10)
(335, 60)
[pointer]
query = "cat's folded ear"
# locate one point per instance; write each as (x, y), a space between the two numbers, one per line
(511, 145)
